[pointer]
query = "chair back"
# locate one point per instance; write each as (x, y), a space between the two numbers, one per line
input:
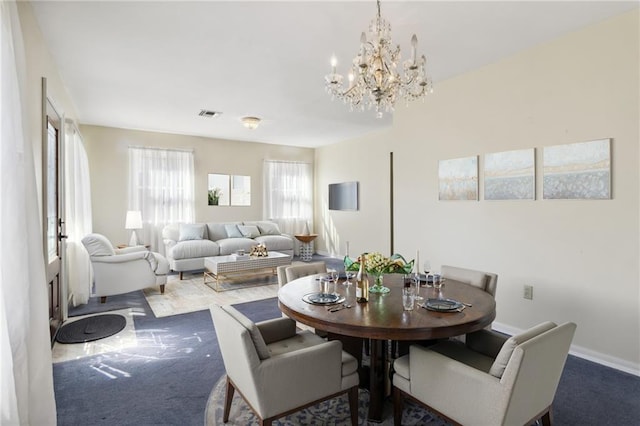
(98, 245)
(239, 353)
(534, 372)
(282, 274)
(297, 271)
(485, 280)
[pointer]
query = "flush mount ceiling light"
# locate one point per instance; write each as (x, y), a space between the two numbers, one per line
(250, 122)
(374, 80)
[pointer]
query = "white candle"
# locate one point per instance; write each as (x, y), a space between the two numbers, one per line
(418, 261)
(347, 249)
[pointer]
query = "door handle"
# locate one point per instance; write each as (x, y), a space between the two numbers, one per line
(62, 236)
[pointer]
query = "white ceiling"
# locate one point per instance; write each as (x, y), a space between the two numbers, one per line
(154, 65)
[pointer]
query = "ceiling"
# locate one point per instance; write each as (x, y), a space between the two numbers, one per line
(154, 65)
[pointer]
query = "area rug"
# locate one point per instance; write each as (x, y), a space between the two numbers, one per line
(191, 294)
(91, 328)
(332, 412)
(166, 377)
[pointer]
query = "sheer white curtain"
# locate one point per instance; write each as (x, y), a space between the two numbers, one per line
(26, 376)
(161, 187)
(288, 195)
(78, 215)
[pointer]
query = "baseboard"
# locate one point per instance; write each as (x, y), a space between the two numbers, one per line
(584, 353)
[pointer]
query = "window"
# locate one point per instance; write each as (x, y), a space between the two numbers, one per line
(160, 186)
(288, 194)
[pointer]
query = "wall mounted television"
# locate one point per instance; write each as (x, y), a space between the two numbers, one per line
(343, 196)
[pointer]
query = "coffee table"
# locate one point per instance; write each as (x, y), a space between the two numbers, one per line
(217, 267)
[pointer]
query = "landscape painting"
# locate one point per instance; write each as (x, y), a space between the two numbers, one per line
(458, 179)
(578, 171)
(510, 175)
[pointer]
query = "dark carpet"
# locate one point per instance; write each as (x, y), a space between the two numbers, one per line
(167, 378)
(91, 328)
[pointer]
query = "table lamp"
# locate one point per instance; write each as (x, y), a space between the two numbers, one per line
(133, 222)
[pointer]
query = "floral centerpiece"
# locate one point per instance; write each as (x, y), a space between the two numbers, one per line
(377, 265)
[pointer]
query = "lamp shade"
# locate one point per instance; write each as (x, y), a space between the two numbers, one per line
(134, 220)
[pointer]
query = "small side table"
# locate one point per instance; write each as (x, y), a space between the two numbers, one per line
(306, 246)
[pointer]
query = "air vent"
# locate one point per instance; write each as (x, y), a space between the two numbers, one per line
(208, 114)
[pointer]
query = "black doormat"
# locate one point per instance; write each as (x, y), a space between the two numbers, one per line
(91, 328)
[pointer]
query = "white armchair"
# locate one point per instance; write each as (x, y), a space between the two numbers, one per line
(489, 380)
(119, 271)
(279, 371)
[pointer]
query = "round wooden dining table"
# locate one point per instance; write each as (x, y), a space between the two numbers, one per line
(382, 320)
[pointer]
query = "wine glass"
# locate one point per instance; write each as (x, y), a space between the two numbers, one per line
(333, 273)
(349, 275)
(415, 280)
(426, 267)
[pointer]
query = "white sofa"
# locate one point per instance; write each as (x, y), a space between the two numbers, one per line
(187, 245)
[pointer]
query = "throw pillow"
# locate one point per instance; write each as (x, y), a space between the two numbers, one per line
(269, 228)
(249, 231)
(501, 361)
(191, 231)
(233, 231)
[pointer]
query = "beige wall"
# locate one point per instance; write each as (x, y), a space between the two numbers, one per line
(582, 257)
(108, 163)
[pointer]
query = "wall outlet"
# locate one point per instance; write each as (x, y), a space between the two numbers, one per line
(528, 292)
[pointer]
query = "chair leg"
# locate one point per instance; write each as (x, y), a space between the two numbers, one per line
(180, 274)
(227, 400)
(103, 299)
(397, 406)
(353, 405)
(161, 288)
(266, 422)
(547, 418)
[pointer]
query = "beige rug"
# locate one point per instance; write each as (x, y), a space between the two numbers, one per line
(191, 294)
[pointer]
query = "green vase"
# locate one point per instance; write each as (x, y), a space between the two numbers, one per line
(377, 286)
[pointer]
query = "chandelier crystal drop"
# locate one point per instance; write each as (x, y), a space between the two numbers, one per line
(374, 80)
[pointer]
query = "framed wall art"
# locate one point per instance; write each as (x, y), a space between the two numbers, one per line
(510, 175)
(458, 179)
(218, 190)
(578, 171)
(240, 190)
(228, 190)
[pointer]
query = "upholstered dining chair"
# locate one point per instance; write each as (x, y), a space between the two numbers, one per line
(282, 275)
(487, 281)
(278, 370)
(119, 271)
(293, 272)
(491, 379)
(297, 271)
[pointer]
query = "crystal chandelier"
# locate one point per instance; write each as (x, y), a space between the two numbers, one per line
(374, 80)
